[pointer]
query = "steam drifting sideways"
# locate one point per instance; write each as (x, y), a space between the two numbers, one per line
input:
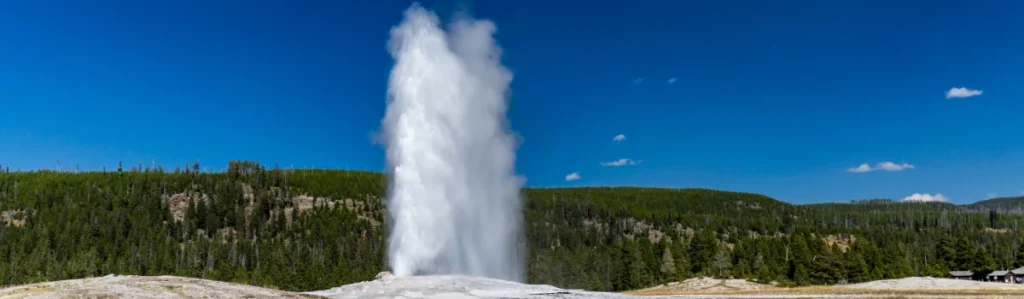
(453, 201)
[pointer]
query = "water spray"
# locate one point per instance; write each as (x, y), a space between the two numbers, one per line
(453, 203)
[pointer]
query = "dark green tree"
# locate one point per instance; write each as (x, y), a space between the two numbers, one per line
(702, 250)
(1019, 258)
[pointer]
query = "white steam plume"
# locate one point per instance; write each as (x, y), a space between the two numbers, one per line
(454, 202)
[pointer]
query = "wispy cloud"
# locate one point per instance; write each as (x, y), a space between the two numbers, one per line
(925, 197)
(962, 92)
(573, 176)
(889, 166)
(672, 80)
(638, 80)
(620, 162)
(886, 166)
(991, 195)
(862, 168)
(619, 138)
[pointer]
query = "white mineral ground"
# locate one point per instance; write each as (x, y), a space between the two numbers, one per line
(459, 287)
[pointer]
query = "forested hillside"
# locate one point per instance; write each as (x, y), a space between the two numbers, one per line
(316, 229)
(1001, 204)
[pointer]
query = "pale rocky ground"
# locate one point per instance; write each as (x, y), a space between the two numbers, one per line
(934, 284)
(708, 284)
(925, 287)
(121, 286)
(460, 287)
(452, 287)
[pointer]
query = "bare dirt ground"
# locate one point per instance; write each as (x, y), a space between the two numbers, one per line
(114, 286)
(708, 284)
(696, 288)
(911, 287)
(931, 283)
(461, 287)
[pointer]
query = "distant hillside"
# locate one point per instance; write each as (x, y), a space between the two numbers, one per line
(310, 229)
(1006, 205)
(1002, 205)
(887, 205)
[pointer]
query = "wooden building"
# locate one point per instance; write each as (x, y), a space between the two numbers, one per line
(1018, 275)
(1005, 276)
(962, 275)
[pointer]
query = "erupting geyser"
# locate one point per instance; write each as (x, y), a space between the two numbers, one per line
(453, 200)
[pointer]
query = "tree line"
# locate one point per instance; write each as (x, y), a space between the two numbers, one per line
(308, 229)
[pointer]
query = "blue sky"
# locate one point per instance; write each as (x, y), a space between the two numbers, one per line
(773, 97)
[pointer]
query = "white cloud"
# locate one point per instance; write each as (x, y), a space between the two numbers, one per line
(619, 138)
(925, 197)
(572, 177)
(862, 168)
(619, 162)
(638, 80)
(992, 195)
(671, 80)
(887, 166)
(962, 92)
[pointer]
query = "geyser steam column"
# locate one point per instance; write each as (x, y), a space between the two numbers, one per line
(453, 202)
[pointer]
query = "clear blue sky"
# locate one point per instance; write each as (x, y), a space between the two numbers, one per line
(774, 97)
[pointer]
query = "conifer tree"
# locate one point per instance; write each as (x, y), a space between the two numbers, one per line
(1019, 258)
(668, 264)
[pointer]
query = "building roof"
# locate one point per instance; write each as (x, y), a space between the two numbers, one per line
(961, 273)
(999, 273)
(1018, 271)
